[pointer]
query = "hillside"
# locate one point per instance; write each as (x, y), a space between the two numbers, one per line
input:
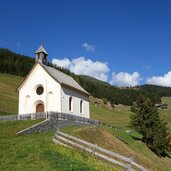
(119, 116)
(96, 81)
(37, 152)
(8, 93)
(20, 65)
(129, 143)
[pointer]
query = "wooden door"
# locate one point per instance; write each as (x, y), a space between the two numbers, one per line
(40, 108)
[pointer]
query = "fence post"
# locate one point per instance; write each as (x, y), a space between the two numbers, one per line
(18, 117)
(94, 149)
(129, 166)
(33, 116)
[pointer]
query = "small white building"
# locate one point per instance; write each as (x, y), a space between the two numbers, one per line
(46, 89)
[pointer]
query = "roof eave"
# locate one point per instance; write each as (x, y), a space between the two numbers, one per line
(80, 91)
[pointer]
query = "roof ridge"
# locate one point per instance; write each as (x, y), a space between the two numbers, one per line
(63, 78)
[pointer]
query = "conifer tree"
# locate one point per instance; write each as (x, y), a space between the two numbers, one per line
(147, 122)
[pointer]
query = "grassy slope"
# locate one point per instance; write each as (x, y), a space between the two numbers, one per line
(166, 114)
(8, 93)
(119, 117)
(37, 152)
(124, 144)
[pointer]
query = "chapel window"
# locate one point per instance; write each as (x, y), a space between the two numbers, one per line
(40, 90)
(27, 102)
(81, 106)
(70, 104)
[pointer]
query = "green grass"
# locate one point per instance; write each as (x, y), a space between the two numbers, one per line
(8, 93)
(36, 152)
(123, 143)
(16, 151)
(166, 114)
(119, 118)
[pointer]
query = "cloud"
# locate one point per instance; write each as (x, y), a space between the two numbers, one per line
(88, 47)
(164, 80)
(125, 79)
(83, 66)
(64, 63)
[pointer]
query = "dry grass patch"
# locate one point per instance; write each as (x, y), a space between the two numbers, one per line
(109, 139)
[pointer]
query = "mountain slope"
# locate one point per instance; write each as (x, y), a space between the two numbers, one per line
(96, 81)
(8, 93)
(17, 64)
(118, 116)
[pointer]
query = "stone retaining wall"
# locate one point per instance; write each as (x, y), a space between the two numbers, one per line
(49, 125)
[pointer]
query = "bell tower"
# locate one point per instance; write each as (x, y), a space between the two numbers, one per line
(41, 55)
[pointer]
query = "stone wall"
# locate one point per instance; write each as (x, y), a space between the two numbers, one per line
(49, 125)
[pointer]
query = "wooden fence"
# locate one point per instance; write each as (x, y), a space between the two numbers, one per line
(103, 153)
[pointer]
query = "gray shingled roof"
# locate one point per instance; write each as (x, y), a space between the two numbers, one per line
(41, 49)
(63, 78)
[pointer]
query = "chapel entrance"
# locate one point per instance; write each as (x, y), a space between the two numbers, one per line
(40, 108)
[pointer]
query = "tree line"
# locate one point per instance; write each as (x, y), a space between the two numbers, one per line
(13, 63)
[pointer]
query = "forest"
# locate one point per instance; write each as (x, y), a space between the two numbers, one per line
(16, 64)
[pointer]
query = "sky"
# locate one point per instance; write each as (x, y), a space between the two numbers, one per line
(123, 42)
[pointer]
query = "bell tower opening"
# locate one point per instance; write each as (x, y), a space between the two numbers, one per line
(41, 54)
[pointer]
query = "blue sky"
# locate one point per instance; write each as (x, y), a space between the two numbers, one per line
(124, 42)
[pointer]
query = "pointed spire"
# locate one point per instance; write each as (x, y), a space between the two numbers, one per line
(41, 54)
(41, 49)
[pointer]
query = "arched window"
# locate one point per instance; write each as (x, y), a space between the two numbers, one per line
(81, 106)
(70, 104)
(27, 102)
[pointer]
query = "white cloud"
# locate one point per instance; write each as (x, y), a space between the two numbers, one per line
(83, 66)
(64, 63)
(164, 80)
(88, 47)
(126, 79)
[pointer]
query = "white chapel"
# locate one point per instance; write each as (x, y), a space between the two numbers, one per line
(46, 89)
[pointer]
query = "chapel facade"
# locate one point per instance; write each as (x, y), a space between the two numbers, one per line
(47, 89)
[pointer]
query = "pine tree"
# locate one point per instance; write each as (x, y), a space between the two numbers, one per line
(147, 122)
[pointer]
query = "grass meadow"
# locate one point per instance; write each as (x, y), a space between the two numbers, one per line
(119, 141)
(36, 152)
(8, 93)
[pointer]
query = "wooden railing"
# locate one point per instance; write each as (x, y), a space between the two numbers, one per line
(127, 163)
